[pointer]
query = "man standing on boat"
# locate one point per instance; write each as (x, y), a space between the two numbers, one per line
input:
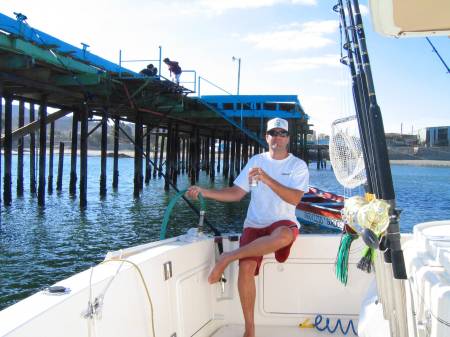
(277, 180)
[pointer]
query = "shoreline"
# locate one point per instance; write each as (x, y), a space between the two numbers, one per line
(421, 162)
(130, 154)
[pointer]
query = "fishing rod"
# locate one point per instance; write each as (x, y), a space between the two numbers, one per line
(357, 97)
(378, 142)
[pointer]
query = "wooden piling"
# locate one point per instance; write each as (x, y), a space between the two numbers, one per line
(148, 166)
(226, 157)
(244, 152)
(32, 154)
(183, 155)
(60, 167)
(50, 161)
(115, 183)
(7, 151)
(20, 151)
(103, 153)
(155, 153)
(237, 168)
(161, 154)
(83, 156)
(169, 148)
(73, 154)
(192, 156)
(138, 143)
(232, 159)
(197, 153)
(218, 155)
(175, 153)
(212, 166)
(42, 150)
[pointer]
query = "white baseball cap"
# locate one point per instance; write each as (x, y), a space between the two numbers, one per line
(277, 123)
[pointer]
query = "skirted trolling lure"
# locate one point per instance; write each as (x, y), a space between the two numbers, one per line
(368, 219)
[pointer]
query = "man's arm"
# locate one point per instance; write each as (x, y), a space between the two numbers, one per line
(228, 194)
(290, 195)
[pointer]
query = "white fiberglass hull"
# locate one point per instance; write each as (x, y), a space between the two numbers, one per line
(134, 298)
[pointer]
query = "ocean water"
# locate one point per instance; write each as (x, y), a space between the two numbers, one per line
(41, 245)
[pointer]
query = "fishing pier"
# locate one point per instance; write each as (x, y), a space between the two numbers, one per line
(176, 131)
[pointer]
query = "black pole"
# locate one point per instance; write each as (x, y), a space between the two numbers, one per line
(7, 149)
(115, 183)
(138, 142)
(50, 161)
(168, 156)
(32, 154)
(20, 151)
(103, 153)
(155, 153)
(73, 154)
(161, 153)
(60, 167)
(42, 150)
(148, 168)
(83, 156)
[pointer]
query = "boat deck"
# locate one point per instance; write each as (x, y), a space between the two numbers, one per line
(271, 331)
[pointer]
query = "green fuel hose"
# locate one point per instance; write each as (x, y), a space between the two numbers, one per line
(169, 209)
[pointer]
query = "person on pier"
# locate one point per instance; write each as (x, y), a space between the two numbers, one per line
(174, 69)
(277, 181)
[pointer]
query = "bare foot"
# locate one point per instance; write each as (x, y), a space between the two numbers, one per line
(219, 268)
(249, 333)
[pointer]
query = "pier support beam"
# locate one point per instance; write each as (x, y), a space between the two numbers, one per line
(183, 155)
(232, 159)
(42, 150)
(226, 157)
(115, 183)
(169, 155)
(212, 166)
(219, 151)
(161, 154)
(60, 167)
(103, 150)
(20, 151)
(83, 156)
(155, 153)
(32, 154)
(74, 154)
(148, 166)
(138, 144)
(50, 160)
(7, 151)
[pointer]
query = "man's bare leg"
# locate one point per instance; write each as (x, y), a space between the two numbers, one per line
(247, 294)
(280, 237)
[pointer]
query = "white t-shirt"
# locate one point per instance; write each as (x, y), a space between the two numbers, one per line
(266, 207)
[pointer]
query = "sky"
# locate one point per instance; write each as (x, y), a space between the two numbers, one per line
(289, 47)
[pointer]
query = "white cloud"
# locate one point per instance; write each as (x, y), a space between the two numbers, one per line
(296, 36)
(219, 6)
(335, 83)
(305, 63)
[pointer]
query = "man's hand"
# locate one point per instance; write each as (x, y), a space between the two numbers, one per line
(193, 192)
(257, 173)
(288, 194)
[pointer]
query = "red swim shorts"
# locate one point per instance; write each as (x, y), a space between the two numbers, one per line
(250, 234)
